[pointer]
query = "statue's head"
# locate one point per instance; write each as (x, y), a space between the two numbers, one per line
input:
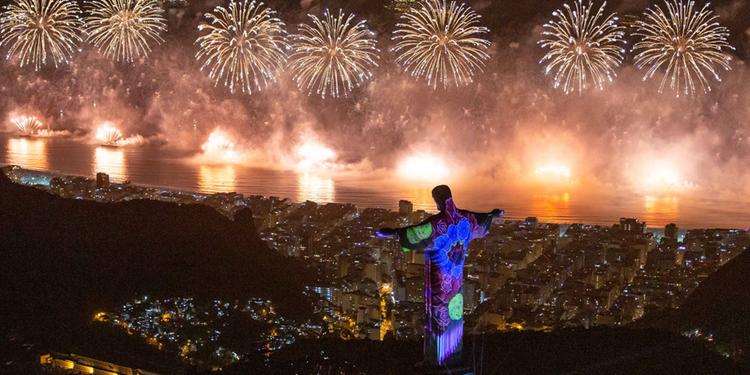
(441, 194)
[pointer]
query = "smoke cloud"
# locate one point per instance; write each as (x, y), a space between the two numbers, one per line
(498, 129)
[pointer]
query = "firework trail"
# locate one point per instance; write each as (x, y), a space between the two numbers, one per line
(27, 125)
(333, 56)
(585, 47)
(244, 47)
(441, 42)
(688, 42)
(125, 29)
(40, 30)
(108, 136)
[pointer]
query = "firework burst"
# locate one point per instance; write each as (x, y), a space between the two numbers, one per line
(333, 56)
(219, 147)
(244, 46)
(441, 42)
(585, 47)
(40, 30)
(27, 125)
(689, 43)
(125, 29)
(108, 135)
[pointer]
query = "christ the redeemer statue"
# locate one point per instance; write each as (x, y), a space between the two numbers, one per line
(445, 239)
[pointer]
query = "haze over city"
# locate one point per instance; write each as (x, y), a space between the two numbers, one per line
(508, 127)
(374, 187)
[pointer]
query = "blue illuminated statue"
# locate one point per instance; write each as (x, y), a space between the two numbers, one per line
(445, 239)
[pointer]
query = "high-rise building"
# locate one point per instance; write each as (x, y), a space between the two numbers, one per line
(405, 207)
(325, 292)
(631, 225)
(670, 231)
(102, 180)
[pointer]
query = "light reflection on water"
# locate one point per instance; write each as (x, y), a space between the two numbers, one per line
(28, 153)
(161, 167)
(551, 207)
(315, 188)
(217, 179)
(111, 161)
(660, 209)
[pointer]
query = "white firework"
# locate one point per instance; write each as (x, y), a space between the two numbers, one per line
(40, 30)
(585, 47)
(334, 55)
(27, 125)
(125, 29)
(245, 46)
(688, 43)
(441, 43)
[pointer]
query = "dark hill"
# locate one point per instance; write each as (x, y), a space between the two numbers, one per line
(720, 305)
(722, 301)
(64, 259)
(595, 351)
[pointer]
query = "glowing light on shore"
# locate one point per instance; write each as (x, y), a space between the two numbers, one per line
(48, 133)
(663, 175)
(553, 172)
(219, 147)
(665, 178)
(108, 135)
(312, 155)
(27, 125)
(40, 31)
(423, 167)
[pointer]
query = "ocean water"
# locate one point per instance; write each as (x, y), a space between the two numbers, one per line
(157, 166)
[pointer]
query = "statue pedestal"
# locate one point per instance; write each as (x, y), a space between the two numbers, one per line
(445, 370)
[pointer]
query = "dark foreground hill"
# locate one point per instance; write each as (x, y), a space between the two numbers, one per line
(722, 302)
(596, 351)
(61, 260)
(719, 306)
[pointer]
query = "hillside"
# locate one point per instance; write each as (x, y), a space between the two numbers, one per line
(595, 351)
(719, 306)
(722, 301)
(65, 259)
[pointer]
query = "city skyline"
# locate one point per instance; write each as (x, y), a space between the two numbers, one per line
(527, 275)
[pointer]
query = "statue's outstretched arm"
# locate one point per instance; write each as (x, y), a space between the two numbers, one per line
(484, 220)
(412, 238)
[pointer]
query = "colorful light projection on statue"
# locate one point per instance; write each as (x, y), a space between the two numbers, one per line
(445, 239)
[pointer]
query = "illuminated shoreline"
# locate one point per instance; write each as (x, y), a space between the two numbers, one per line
(649, 201)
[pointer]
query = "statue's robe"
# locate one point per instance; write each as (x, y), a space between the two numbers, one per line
(445, 239)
